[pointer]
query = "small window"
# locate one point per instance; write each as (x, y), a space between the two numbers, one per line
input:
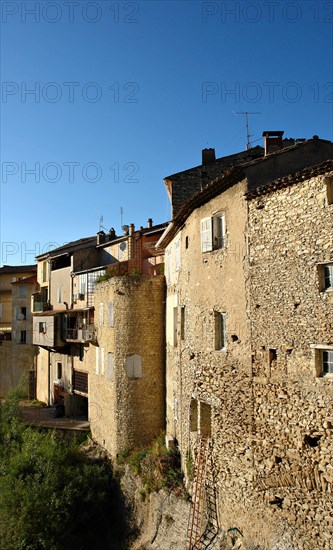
(329, 189)
(220, 331)
(59, 293)
(326, 277)
(213, 232)
(111, 314)
(23, 292)
(186, 242)
(110, 366)
(272, 357)
(134, 366)
(42, 327)
(327, 362)
(23, 339)
(182, 323)
(59, 370)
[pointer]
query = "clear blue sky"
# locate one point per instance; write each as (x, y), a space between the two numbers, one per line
(127, 93)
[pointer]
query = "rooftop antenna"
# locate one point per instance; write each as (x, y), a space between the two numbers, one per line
(121, 216)
(248, 135)
(101, 221)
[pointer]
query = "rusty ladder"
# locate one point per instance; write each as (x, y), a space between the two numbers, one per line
(199, 496)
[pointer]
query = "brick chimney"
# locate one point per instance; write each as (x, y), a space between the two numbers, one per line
(100, 237)
(272, 141)
(208, 156)
(131, 229)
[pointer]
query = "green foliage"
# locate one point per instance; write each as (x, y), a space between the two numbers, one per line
(51, 496)
(158, 467)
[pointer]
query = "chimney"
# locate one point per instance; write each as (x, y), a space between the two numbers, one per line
(208, 156)
(100, 237)
(112, 233)
(131, 229)
(150, 223)
(125, 229)
(272, 141)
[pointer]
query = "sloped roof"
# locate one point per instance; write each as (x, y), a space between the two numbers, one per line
(18, 269)
(85, 242)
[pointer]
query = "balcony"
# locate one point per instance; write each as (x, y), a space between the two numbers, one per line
(39, 302)
(86, 334)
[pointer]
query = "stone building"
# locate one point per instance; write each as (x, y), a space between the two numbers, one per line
(243, 347)
(17, 283)
(127, 381)
(76, 342)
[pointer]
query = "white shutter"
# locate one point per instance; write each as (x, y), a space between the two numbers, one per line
(102, 361)
(97, 360)
(206, 234)
(137, 366)
(111, 314)
(101, 313)
(110, 366)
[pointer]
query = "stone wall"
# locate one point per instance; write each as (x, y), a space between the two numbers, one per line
(290, 235)
(260, 400)
(128, 399)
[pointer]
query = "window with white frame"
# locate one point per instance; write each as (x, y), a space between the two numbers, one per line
(110, 314)
(134, 366)
(97, 361)
(220, 330)
(213, 232)
(177, 254)
(110, 365)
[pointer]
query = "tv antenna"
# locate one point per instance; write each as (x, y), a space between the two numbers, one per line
(121, 216)
(101, 221)
(248, 135)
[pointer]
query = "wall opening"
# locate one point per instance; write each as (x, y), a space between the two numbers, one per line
(205, 420)
(194, 415)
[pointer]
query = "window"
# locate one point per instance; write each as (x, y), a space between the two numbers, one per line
(213, 232)
(59, 293)
(272, 357)
(220, 330)
(23, 338)
(134, 366)
(327, 362)
(59, 370)
(42, 327)
(177, 253)
(102, 361)
(101, 313)
(186, 241)
(328, 277)
(111, 314)
(45, 272)
(182, 323)
(22, 314)
(82, 283)
(329, 189)
(110, 366)
(23, 292)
